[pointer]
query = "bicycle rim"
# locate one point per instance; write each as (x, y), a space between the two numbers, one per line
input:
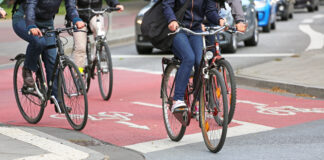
(72, 93)
(30, 106)
(213, 112)
(105, 72)
(174, 128)
(229, 78)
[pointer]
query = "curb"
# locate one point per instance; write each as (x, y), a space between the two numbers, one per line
(317, 92)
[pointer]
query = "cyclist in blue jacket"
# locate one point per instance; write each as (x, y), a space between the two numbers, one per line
(188, 48)
(27, 21)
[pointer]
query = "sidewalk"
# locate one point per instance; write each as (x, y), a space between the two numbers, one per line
(301, 74)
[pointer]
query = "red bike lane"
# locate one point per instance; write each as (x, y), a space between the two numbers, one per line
(133, 114)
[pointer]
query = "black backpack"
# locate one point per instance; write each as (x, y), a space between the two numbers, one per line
(16, 3)
(155, 26)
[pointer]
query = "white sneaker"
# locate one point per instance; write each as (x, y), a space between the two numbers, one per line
(177, 105)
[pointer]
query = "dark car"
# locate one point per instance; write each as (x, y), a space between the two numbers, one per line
(311, 5)
(228, 42)
(285, 9)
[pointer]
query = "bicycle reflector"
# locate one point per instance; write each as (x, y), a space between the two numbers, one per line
(209, 55)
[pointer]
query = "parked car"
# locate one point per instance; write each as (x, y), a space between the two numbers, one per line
(311, 5)
(285, 9)
(228, 42)
(266, 14)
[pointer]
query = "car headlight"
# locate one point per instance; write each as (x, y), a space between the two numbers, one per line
(281, 8)
(209, 55)
(139, 21)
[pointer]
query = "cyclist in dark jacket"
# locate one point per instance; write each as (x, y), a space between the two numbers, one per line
(188, 47)
(94, 24)
(32, 16)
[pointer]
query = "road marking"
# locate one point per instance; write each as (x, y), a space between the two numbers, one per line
(308, 21)
(225, 56)
(147, 104)
(158, 145)
(316, 38)
(138, 70)
(57, 150)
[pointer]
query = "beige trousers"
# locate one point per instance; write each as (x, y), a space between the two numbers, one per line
(80, 40)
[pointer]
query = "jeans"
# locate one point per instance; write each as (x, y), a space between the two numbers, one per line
(37, 46)
(188, 48)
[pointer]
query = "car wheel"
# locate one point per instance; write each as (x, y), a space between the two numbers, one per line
(231, 48)
(144, 50)
(267, 27)
(316, 8)
(310, 9)
(285, 16)
(273, 25)
(291, 16)
(253, 41)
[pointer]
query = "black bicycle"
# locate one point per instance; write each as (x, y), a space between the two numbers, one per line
(71, 91)
(205, 97)
(101, 65)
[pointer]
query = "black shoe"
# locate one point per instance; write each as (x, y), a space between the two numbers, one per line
(61, 107)
(28, 77)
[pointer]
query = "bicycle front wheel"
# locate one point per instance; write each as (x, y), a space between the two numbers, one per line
(174, 127)
(213, 111)
(72, 94)
(29, 102)
(226, 69)
(105, 72)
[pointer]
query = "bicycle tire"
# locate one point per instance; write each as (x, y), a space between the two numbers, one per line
(229, 78)
(106, 56)
(31, 107)
(175, 129)
(213, 94)
(88, 70)
(72, 93)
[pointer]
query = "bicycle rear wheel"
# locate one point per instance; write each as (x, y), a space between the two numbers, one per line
(29, 103)
(229, 78)
(213, 111)
(105, 72)
(72, 94)
(174, 127)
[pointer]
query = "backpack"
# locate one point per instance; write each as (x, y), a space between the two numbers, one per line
(15, 6)
(155, 26)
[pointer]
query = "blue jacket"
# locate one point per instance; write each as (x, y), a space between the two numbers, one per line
(194, 14)
(42, 10)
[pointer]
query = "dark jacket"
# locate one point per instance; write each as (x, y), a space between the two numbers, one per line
(42, 10)
(94, 4)
(195, 13)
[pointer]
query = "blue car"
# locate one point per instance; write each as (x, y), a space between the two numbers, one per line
(266, 14)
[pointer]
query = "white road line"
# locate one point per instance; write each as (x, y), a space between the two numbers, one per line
(152, 146)
(147, 104)
(316, 38)
(308, 21)
(224, 55)
(57, 150)
(138, 70)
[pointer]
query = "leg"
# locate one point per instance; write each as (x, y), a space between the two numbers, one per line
(79, 50)
(183, 50)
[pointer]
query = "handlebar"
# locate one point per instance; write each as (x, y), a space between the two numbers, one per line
(100, 12)
(209, 30)
(58, 30)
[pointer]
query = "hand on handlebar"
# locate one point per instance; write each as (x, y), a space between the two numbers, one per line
(36, 32)
(222, 22)
(121, 8)
(80, 24)
(2, 13)
(173, 26)
(241, 27)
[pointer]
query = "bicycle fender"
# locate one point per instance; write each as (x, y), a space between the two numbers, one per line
(18, 56)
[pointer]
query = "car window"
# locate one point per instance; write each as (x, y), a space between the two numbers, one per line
(245, 2)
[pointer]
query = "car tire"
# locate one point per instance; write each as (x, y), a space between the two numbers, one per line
(144, 50)
(285, 16)
(310, 9)
(273, 25)
(253, 41)
(267, 28)
(291, 16)
(232, 47)
(316, 8)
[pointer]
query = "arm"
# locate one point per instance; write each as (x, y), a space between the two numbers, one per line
(212, 13)
(112, 3)
(30, 13)
(72, 13)
(237, 10)
(168, 6)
